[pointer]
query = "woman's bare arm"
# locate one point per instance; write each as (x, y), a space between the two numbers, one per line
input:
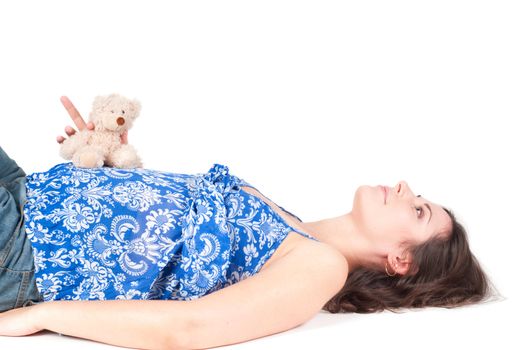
(144, 324)
(288, 293)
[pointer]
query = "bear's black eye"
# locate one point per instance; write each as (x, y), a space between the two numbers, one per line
(111, 111)
(122, 111)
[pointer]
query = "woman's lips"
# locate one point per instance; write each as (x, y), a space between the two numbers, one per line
(385, 193)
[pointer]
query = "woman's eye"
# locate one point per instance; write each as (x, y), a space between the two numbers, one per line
(420, 211)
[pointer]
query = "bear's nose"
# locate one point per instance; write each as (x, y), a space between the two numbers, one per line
(120, 121)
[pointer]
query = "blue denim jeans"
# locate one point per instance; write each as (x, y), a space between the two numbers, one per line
(17, 269)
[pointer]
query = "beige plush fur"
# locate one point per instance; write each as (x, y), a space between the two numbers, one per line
(111, 114)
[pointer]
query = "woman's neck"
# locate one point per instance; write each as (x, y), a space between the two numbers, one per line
(341, 233)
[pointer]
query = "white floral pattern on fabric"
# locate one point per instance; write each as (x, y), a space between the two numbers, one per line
(110, 233)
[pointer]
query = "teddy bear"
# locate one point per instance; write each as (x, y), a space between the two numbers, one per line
(112, 115)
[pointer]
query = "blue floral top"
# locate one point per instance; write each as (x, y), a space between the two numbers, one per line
(109, 233)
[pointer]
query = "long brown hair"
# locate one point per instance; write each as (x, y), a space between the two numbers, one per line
(444, 273)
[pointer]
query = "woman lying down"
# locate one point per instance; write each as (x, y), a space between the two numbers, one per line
(150, 259)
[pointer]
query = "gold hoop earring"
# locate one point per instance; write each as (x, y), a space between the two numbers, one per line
(386, 269)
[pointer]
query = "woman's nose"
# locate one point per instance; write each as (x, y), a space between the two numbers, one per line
(402, 188)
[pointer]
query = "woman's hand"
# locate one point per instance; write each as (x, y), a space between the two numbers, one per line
(79, 122)
(20, 321)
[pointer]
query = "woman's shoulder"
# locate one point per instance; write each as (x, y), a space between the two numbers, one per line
(309, 252)
(321, 261)
(322, 250)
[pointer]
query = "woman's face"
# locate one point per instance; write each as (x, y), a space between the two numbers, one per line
(390, 216)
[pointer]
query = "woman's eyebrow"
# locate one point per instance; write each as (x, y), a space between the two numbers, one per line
(430, 209)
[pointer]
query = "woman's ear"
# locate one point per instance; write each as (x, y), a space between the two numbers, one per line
(400, 263)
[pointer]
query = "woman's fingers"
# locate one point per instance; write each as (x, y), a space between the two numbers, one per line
(76, 117)
(73, 112)
(79, 122)
(124, 137)
(69, 131)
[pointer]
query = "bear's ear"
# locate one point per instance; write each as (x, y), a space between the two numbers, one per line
(135, 107)
(98, 103)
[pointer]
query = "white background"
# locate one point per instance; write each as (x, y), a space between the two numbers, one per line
(306, 100)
